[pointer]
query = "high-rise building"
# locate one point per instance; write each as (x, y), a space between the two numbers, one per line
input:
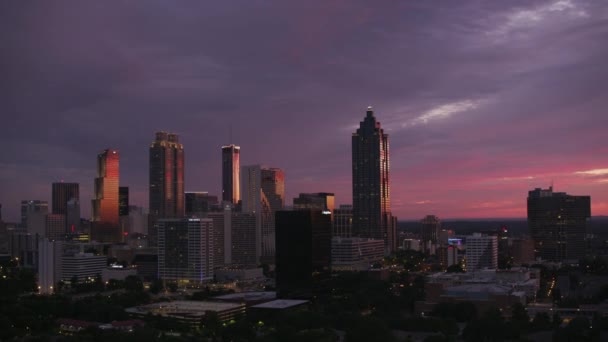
(558, 224)
(431, 226)
(355, 254)
(166, 176)
(200, 202)
(321, 201)
(185, 249)
(33, 216)
(481, 252)
(371, 184)
(263, 193)
(49, 265)
(234, 238)
(123, 201)
(105, 223)
(63, 193)
(138, 220)
(55, 227)
(522, 251)
(82, 267)
(303, 248)
(231, 173)
(343, 221)
(73, 216)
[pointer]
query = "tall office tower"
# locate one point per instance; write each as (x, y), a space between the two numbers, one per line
(558, 223)
(263, 193)
(343, 221)
(166, 176)
(231, 173)
(371, 187)
(322, 201)
(303, 248)
(73, 216)
(62, 194)
(33, 216)
(200, 202)
(123, 201)
(104, 219)
(185, 249)
(234, 237)
(138, 220)
(55, 227)
(166, 192)
(481, 252)
(431, 227)
(522, 251)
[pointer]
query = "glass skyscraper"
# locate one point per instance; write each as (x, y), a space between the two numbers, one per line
(231, 173)
(105, 202)
(371, 188)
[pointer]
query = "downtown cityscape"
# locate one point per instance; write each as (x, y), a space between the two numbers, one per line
(158, 184)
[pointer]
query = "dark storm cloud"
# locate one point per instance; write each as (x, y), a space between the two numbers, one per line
(470, 91)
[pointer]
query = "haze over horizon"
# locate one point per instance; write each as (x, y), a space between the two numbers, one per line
(483, 101)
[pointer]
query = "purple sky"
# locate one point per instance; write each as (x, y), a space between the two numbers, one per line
(483, 100)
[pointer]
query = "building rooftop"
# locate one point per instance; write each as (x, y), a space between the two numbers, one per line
(188, 308)
(280, 304)
(248, 296)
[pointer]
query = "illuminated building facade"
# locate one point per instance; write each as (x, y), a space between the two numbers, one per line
(371, 188)
(105, 222)
(558, 224)
(231, 173)
(263, 193)
(166, 191)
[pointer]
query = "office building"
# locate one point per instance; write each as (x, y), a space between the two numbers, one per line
(23, 246)
(105, 222)
(558, 224)
(481, 252)
(263, 194)
(138, 220)
(411, 244)
(166, 176)
(49, 265)
(431, 226)
(320, 201)
(234, 238)
(33, 216)
(73, 216)
(343, 221)
(303, 248)
(355, 254)
(198, 203)
(123, 201)
(231, 173)
(83, 267)
(522, 251)
(55, 227)
(65, 197)
(371, 183)
(185, 250)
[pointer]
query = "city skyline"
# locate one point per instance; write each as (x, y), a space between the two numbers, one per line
(482, 102)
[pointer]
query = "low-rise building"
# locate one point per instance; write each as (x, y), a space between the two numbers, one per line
(189, 312)
(355, 254)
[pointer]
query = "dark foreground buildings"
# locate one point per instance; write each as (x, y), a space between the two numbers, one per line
(558, 224)
(303, 247)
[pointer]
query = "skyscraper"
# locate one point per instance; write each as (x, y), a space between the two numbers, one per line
(55, 227)
(62, 194)
(73, 216)
(123, 201)
(231, 173)
(105, 223)
(371, 189)
(185, 249)
(558, 224)
(234, 237)
(431, 226)
(199, 202)
(303, 248)
(166, 176)
(343, 221)
(263, 194)
(33, 216)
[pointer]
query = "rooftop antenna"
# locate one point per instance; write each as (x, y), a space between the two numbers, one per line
(551, 185)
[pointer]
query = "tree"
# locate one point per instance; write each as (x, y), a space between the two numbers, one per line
(369, 329)
(456, 268)
(134, 284)
(211, 325)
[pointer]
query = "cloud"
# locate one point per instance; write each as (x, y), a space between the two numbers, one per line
(444, 111)
(595, 172)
